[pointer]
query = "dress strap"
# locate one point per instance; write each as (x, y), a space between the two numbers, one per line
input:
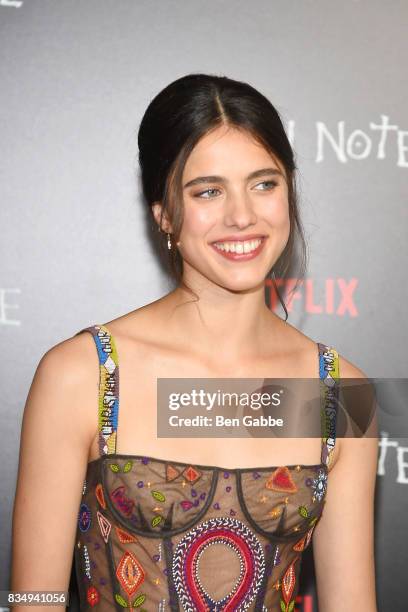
(329, 375)
(108, 404)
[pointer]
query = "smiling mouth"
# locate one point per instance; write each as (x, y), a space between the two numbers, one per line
(239, 249)
(239, 246)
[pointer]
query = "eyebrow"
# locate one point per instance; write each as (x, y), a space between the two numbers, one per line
(222, 179)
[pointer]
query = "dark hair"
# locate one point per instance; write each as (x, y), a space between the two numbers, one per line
(176, 119)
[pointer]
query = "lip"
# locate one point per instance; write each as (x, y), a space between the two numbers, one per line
(241, 256)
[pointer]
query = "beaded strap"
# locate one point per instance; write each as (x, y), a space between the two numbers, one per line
(329, 385)
(108, 404)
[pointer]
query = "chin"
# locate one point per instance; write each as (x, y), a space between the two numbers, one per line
(243, 284)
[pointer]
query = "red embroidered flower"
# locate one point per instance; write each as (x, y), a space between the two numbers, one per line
(92, 596)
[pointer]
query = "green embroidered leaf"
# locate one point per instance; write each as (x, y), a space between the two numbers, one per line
(312, 522)
(303, 511)
(282, 605)
(139, 600)
(156, 520)
(291, 605)
(158, 495)
(128, 466)
(115, 468)
(120, 600)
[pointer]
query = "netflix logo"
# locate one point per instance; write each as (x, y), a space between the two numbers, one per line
(333, 296)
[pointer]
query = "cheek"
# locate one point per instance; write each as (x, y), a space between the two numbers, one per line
(278, 213)
(198, 222)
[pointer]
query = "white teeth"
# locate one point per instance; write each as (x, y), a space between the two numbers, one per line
(246, 246)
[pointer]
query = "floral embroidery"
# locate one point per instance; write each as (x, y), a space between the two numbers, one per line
(92, 596)
(319, 485)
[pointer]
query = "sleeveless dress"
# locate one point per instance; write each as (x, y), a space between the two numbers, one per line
(169, 536)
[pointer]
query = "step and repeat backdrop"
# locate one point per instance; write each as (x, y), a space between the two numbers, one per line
(76, 78)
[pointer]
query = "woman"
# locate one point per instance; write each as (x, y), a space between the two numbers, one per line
(195, 524)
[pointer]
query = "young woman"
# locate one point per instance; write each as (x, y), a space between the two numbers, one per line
(195, 524)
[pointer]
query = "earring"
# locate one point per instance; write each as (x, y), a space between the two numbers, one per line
(169, 241)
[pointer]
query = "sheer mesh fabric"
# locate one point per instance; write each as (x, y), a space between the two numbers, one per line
(170, 536)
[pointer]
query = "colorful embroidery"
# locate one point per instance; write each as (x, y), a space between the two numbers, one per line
(108, 388)
(304, 542)
(281, 480)
(130, 573)
(275, 512)
(186, 504)
(128, 466)
(329, 384)
(319, 485)
(303, 511)
(104, 525)
(121, 501)
(191, 474)
(234, 534)
(287, 587)
(158, 495)
(124, 536)
(171, 472)
(92, 596)
(100, 496)
(87, 563)
(84, 518)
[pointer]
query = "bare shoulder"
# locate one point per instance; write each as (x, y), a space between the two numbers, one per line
(71, 356)
(72, 362)
(362, 448)
(305, 348)
(347, 369)
(67, 377)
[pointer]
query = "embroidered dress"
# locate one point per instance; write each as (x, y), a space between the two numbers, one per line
(169, 536)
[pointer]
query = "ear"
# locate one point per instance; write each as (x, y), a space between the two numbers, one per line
(165, 224)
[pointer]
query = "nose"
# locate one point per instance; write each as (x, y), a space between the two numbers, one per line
(239, 210)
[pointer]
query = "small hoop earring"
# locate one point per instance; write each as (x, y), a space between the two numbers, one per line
(169, 241)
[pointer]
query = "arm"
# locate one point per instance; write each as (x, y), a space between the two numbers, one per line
(56, 434)
(343, 541)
